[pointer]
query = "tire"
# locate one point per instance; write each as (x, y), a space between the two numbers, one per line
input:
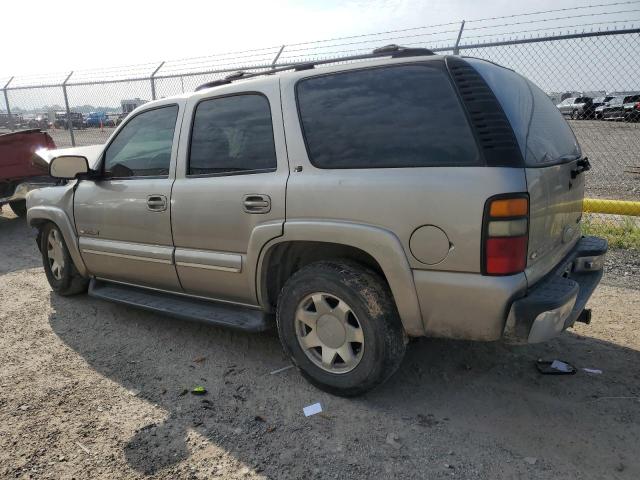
(58, 266)
(372, 318)
(19, 207)
(573, 115)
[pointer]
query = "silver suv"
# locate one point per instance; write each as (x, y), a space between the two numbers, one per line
(354, 206)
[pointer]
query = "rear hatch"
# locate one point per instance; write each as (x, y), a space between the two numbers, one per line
(551, 153)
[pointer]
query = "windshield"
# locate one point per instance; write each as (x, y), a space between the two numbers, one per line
(616, 101)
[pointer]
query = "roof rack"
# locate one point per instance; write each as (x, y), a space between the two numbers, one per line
(394, 51)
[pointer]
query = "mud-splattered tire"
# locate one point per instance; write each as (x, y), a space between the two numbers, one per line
(19, 207)
(334, 309)
(61, 272)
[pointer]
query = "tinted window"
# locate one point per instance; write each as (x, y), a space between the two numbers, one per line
(143, 146)
(405, 116)
(232, 134)
(544, 136)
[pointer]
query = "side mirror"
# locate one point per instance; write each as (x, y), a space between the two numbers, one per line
(68, 167)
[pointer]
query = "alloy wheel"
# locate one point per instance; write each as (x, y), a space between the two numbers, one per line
(329, 332)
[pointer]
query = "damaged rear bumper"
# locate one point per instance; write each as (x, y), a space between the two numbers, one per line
(23, 188)
(556, 302)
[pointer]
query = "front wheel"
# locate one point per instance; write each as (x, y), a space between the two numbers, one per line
(339, 324)
(19, 207)
(61, 272)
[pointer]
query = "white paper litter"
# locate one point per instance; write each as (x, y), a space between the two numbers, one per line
(281, 369)
(312, 409)
(560, 366)
(597, 371)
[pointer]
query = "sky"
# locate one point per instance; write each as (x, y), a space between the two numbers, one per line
(59, 36)
(116, 39)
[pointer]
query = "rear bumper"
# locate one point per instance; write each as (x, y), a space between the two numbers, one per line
(557, 301)
(23, 188)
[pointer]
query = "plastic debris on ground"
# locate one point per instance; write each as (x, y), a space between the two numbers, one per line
(555, 367)
(312, 409)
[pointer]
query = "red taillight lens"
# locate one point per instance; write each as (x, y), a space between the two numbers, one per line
(637, 106)
(506, 234)
(51, 145)
(506, 255)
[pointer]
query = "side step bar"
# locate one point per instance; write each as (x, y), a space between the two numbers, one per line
(214, 313)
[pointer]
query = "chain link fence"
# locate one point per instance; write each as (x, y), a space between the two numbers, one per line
(84, 108)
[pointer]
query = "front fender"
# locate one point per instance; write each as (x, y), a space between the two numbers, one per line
(51, 204)
(381, 244)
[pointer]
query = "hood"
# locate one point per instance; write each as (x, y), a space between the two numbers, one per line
(92, 154)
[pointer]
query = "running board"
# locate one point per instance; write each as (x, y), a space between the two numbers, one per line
(214, 313)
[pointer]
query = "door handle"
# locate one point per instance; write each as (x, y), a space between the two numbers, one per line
(256, 203)
(156, 203)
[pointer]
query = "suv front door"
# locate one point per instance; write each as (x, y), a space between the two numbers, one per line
(123, 218)
(229, 195)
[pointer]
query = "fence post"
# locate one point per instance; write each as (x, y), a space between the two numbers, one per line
(6, 101)
(456, 50)
(66, 106)
(275, 60)
(153, 83)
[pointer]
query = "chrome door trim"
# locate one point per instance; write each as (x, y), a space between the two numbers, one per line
(123, 255)
(129, 250)
(209, 260)
(208, 267)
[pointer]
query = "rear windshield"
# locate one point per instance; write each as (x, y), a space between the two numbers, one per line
(544, 136)
(399, 116)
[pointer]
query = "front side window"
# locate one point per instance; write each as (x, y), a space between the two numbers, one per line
(143, 147)
(232, 135)
(401, 116)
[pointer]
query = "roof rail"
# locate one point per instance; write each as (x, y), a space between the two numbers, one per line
(394, 51)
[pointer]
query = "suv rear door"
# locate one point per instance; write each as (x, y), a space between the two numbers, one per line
(550, 152)
(229, 195)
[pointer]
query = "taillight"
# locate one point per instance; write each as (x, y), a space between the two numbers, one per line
(505, 234)
(51, 145)
(637, 107)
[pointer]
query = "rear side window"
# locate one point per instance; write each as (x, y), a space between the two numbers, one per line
(232, 135)
(402, 116)
(544, 136)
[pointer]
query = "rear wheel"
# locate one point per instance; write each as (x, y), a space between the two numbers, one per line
(574, 114)
(338, 323)
(61, 272)
(19, 207)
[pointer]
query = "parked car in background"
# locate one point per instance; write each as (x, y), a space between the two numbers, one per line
(121, 117)
(39, 121)
(598, 105)
(13, 120)
(304, 196)
(96, 119)
(632, 109)
(21, 170)
(77, 120)
(616, 108)
(576, 107)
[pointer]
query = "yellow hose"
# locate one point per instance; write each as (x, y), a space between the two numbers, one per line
(615, 207)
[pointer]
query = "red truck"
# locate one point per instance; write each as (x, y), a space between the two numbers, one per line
(21, 170)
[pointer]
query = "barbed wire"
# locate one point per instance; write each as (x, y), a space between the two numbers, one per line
(314, 48)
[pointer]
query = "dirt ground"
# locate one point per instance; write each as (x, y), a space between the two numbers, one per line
(90, 389)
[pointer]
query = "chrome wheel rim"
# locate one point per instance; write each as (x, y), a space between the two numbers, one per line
(329, 332)
(55, 253)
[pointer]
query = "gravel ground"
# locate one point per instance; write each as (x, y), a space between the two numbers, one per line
(90, 389)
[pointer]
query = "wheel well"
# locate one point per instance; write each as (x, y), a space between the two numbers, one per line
(285, 259)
